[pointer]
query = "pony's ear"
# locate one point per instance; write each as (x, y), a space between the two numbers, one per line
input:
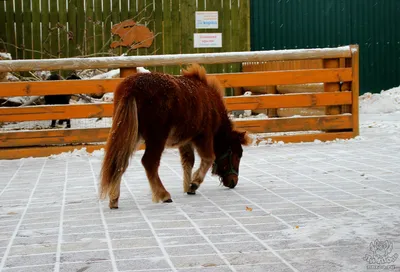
(244, 138)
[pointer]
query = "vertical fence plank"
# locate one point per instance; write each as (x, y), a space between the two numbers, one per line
(124, 10)
(107, 25)
(54, 28)
(3, 28)
(201, 6)
(226, 38)
(140, 19)
(89, 39)
(63, 19)
(72, 29)
(150, 23)
(18, 13)
(132, 9)
(10, 29)
(80, 35)
(37, 45)
(226, 30)
(115, 20)
(244, 24)
(124, 13)
(158, 29)
(213, 6)
(27, 17)
(219, 8)
(176, 32)
(45, 29)
(167, 32)
(98, 28)
(188, 9)
(235, 24)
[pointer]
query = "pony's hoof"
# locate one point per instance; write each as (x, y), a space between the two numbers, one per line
(192, 189)
(168, 201)
(113, 204)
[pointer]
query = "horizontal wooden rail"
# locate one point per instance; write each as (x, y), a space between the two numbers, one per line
(93, 135)
(285, 77)
(173, 59)
(286, 124)
(254, 102)
(40, 151)
(53, 112)
(228, 80)
(309, 137)
(47, 137)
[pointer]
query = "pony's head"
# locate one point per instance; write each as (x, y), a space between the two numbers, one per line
(228, 156)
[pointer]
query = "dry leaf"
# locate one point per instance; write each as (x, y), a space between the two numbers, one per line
(11, 213)
(249, 209)
(297, 227)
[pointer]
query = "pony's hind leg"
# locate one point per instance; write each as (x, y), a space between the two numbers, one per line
(206, 151)
(151, 162)
(187, 160)
(113, 195)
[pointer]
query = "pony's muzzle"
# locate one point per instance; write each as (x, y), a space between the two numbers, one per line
(231, 181)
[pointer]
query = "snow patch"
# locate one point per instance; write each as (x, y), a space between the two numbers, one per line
(384, 102)
(5, 56)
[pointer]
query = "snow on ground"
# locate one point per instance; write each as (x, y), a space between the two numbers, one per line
(332, 206)
(383, 102)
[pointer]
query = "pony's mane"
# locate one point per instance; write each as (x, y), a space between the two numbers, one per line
(197, 71)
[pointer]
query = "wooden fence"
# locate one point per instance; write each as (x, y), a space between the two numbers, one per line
(42, 29)
(340, 68)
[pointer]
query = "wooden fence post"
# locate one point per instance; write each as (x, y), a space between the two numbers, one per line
(355, 87)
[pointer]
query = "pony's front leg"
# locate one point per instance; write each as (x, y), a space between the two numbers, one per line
(187, 161)
(151, 162)
(206, 151)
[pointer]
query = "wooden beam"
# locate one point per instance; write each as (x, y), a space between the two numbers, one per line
(299, 138)
(17, 153)
(48, 137)
(355, 88)
(286, 124)
(55, 112)
(97, 110)
(173, 59)
(228, 80)
(255, 102)
(35, 152)
(285, 77)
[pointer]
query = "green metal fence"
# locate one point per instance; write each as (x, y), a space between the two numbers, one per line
(373, 24)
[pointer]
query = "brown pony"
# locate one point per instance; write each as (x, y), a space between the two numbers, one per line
(185, 111)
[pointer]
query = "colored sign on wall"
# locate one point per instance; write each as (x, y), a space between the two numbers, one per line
(207, 40)
(206, 19)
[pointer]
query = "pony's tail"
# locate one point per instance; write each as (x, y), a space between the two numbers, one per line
(121, 143)
(199, 72)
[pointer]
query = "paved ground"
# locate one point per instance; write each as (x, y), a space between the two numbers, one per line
(304, 207)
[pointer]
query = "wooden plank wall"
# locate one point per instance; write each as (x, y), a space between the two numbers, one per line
(70, 28)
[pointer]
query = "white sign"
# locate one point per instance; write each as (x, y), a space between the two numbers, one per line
(207, 40)
(206, 19)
